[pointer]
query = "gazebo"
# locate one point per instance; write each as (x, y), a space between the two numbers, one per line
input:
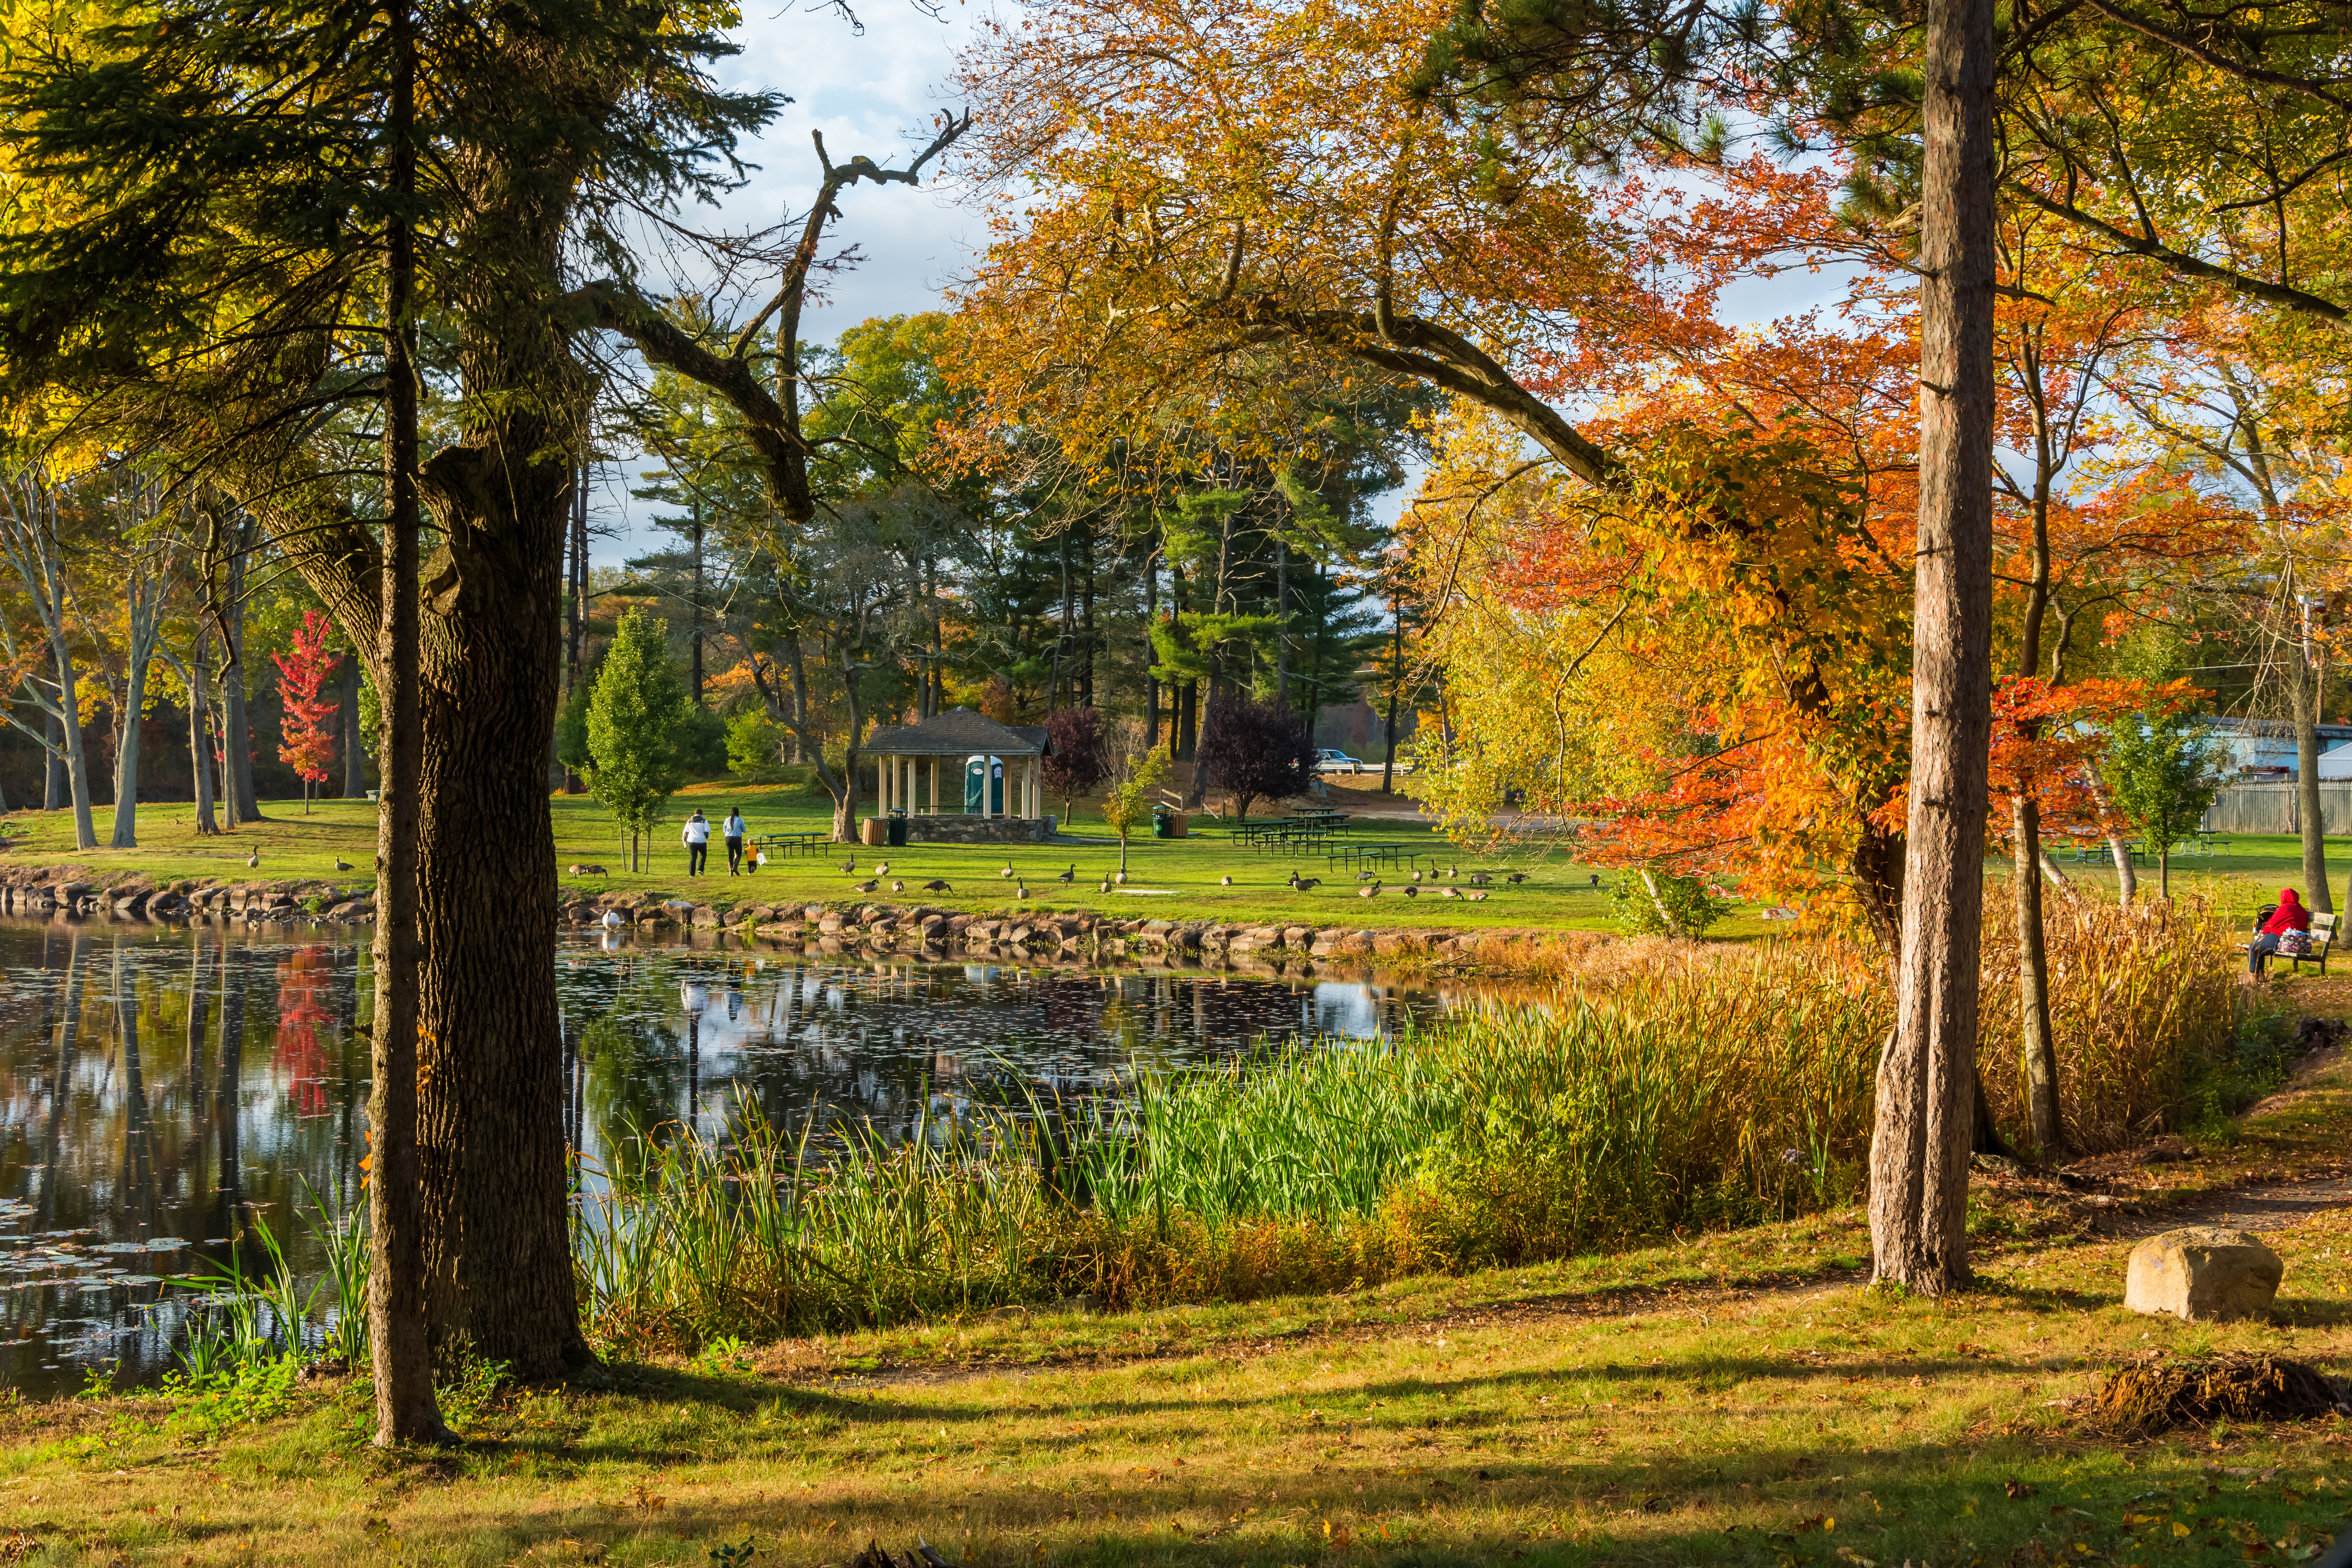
(1006, 760)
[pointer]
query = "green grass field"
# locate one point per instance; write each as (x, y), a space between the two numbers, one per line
(1168, 879)
(1724, 1397)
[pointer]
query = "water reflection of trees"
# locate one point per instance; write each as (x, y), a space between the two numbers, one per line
(162, 1082)
(129, 1111)
(672, 1036)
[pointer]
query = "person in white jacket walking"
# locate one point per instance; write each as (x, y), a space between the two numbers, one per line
(697, 839)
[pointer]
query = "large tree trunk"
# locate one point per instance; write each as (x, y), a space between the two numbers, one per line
(398, 1289)
(1919, 1148)
(2039, 1049)
(2306, 787)
(491, 1129)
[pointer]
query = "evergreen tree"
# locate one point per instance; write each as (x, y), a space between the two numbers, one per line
(636, 728)
(2162, 772)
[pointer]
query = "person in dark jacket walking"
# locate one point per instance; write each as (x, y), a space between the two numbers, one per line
(733, 830)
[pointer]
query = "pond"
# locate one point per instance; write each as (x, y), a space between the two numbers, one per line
(159, 1082)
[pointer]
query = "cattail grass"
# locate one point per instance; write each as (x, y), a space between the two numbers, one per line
(1707, 1087)
(2141, 1001)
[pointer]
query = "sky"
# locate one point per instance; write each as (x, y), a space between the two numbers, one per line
(875, 94)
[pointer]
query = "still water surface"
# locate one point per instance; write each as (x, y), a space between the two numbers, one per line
(157, 1083)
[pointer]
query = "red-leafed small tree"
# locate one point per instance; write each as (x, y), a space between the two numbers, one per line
(1255, 750)
(1077, 762)
(308, 730)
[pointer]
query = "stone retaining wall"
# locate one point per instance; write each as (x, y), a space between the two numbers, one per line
(67, 890)
(927, 931)
(916, 930)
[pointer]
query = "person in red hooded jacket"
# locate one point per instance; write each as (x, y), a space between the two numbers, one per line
(2288, 914)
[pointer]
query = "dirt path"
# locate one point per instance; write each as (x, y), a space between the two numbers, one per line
(2247, 1209)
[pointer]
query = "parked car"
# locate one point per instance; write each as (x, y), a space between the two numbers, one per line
(1330, 762)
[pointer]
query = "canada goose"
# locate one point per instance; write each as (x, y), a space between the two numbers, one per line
(850, 867)
(1225, 881)
(1020, 890)
(1595, 882)
(1411, 892)
(342, 864)
(611, 920)
(1452, 871)
(863, 887)
(1121, 879)
(1007, 872)
(1364, 876)
(1451, 893)
(1071, 874)
(254, 859)
(1416, 873)
(898, 887)
(1474, 896)
(1303, 883)
(1516, 878)
(1371, 890)
(882, 870)
(937, 886)
(1105, 885)
(1480, 879)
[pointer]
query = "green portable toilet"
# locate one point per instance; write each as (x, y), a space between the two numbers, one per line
(984, 772)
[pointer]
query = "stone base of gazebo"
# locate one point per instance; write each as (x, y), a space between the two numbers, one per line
(961, 827)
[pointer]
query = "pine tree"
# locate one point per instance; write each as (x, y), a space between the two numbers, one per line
(636, 725)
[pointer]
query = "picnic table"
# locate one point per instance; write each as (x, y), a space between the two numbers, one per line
(1289, 837)
(785, 843)
(1361, 855)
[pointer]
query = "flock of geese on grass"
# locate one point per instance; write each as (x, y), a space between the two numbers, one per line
(1373, 886)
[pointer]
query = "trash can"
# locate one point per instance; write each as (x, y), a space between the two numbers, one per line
(873, 833)
(1163, 824)
(897, 828)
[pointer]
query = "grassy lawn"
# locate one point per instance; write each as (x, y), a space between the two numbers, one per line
(1734, 1398)
(1168, 879)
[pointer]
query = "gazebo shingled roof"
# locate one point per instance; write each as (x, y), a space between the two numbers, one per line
(957, 732)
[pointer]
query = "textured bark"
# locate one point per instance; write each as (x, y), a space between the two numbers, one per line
(2039, 1049)
(397, 1326)
(1925, 1116)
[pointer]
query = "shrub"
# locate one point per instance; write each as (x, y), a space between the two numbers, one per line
(1659, 903)
(1079, 759)
(1255, 750)
(755, 746)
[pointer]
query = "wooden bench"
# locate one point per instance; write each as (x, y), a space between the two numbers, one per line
(2323, 937)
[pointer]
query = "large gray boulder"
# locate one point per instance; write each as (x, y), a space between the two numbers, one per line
(2203, 1274)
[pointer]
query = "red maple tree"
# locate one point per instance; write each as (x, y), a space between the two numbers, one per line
(308, 743)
